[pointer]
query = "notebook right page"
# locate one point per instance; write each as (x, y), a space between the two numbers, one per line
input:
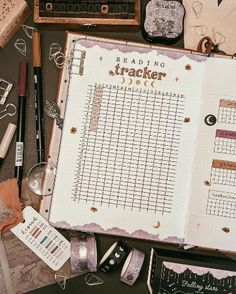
(212, 211)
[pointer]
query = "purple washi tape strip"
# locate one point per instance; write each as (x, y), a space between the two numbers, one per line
(132, 267)
(226, 134)
(83, 254)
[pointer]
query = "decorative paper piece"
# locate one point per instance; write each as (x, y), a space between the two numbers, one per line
(10, 208)
(27, 270)
(20, 269)
(172, 272)
(13, 13)
(219, 18)
(20, 45)
(5, 276)
(42, 239)
(196, 279)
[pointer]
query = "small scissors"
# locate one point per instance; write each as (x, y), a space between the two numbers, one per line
(9, 110)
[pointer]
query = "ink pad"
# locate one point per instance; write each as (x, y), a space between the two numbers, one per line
(163, 21)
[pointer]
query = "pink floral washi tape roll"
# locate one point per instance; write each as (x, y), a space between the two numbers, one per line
(132, 267)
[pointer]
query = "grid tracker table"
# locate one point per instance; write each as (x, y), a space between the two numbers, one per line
(129, 148)
(227, 111)
(225, 142)
(223, 172)
(221, 203)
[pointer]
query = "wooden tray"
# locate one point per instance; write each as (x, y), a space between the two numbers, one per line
(102, 21)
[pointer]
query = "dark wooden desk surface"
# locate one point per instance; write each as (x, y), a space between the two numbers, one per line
(9, 60)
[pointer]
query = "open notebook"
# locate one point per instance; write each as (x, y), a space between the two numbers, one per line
(148, 146)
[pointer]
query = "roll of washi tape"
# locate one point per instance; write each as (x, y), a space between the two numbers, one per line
(113, 257)
(132, 267)
(83, 254)
(92, 254)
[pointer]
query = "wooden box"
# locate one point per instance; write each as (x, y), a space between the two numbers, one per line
(90, 14)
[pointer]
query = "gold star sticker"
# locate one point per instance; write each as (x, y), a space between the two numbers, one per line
(188, 67)
(177, 79)
(73, 130)
(100, 58)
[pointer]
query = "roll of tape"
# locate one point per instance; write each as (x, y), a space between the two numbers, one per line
(113, 257)
(92, 254)
(132, 267)
(83, 254)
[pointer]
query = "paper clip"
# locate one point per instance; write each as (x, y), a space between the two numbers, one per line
(9, 110)
(59, 60)
(218, 37)
(29, 30)
(54, 49)
(60, 278)
(5, 88)
(20, 45)
(197, 8)
(92, 280)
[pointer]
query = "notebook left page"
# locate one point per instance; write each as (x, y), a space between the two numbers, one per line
(128, 140)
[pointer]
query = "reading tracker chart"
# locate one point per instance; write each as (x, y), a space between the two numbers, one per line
(130, 113)
(126, 158)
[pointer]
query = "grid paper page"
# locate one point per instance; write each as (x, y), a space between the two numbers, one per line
(128, 140)
(129, 150)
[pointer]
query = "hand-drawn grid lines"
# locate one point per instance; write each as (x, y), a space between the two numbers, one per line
(223, 176)
(128, 153)
(221, 204)
(225, 142)
(227, 111)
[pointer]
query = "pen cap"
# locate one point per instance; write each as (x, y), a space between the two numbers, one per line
(22, 80)
(36, 49)
(6, 141)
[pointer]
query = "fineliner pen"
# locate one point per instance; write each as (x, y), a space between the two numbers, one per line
(20, 135)
(6, 141)
(38, 89)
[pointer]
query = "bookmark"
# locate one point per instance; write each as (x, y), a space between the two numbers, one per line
(42, 239)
